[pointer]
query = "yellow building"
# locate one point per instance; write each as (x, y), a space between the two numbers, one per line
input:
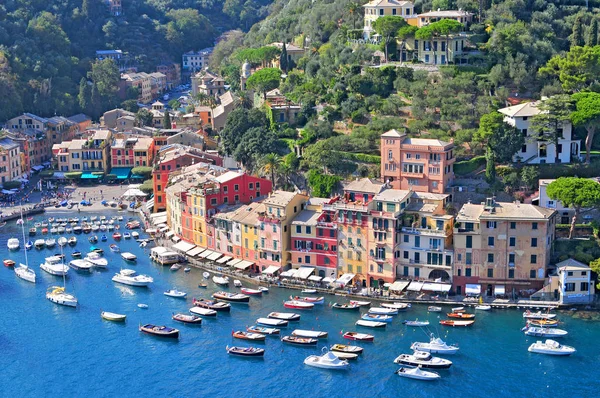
(379, 8)
(85, 155)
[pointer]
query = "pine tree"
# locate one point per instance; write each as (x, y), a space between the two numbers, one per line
(167, 120)
(577, 36)
(592, 39)
(283, 59)
(95, 102)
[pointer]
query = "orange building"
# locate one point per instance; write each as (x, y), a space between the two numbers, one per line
(417, 164)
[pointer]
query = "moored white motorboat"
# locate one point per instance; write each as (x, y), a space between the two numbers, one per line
(237, 283)
(285, 316)
(263, 289)
(13, 244)
(309, 291)
(544, 332)
(129, 277)
(205, 275)
(360, 303)
(538, 315)
(315, 334)
(551, 347)
(416, 323)
(417, 374)
(314, 300)
(377, 318)
(396, 306)
(435, 346)
(176, 267)
(62, 241)
(271, 322)
(370, 324)
(112, 316)
(81, 265)
(96, 259)
(327, 361)
(251, 292)
(383, 311)
(458, 309)
(54, 266)
(39, 243)
(50, 243)
(72, 241)
(424, 359)
(483, 307)
(301, 305)
(202, 311)
(221, 280)
(128, 256)
(175, 293)
(433, 308)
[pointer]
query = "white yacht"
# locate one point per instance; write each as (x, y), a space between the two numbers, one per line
(50, 243)
(39, 243)
(62, 241)
(128, 277)
(57, 295)
(417, 373)
(544, 332)
(175, 293)
(538, 315)
(435, 346)
(81, 265)
(96, 259)
(13, 244)
(551, 347)
(25, 273)
(54, 266)
(327, 361)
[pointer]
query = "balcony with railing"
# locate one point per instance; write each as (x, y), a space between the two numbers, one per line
(340, 205)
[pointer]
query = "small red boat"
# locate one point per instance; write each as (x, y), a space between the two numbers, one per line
(449, 322)
(301, 305)
(358, 336)
(117, 236)
(9, 263)
(460, 315)
(44, 231)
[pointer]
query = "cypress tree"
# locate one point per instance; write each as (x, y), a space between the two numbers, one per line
(283, 59)
(167, 120)
(577, 36)
(592, 39)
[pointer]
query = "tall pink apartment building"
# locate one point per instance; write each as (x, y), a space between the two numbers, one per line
(418, 164)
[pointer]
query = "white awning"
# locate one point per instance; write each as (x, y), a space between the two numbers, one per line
(163, 228)
(195, 251)
(176, 239)
(271, 269)
(224, 259)
(159, 218)
(234, 261)
(214, 256)
(499, 289)
(345, 279)
(150, 204)
(289, 273)
(169, 234)
(328, 279)
(244, 265)
(304, 272)
(399, 286)
(154, 216)
(436, 287)
(472, 289)
(415, 286)
(158, 250)
(315, 278)
(184, 246)
(205, 253)
(133, 193)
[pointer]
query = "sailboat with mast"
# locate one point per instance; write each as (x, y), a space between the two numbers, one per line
(58, 294)
(23, 271)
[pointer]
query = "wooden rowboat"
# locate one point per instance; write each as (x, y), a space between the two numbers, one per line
(245, 351)
(113, 317)
(449, 322)
(159, 331)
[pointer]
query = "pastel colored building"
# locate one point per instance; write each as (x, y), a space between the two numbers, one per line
(275, 227)
(10, 160)
(502, 248)
(85, 155)
(425, 249)
(417, 164)
(464, 17)
(536, 151)
(376, 9)
(131, 151)
(314, 239)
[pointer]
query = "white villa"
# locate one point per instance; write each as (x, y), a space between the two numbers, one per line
(535, 151)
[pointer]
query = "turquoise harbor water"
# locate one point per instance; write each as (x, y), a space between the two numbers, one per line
(48, 350)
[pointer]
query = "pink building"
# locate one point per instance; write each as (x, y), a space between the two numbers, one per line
(418, 164)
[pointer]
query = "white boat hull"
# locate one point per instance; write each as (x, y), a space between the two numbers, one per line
(131, 281)
(25, 273)
(62, 299)
(58, 271)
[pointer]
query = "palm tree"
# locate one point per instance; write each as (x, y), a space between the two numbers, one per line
(270, 164)
(245, 100)
(353, 9)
